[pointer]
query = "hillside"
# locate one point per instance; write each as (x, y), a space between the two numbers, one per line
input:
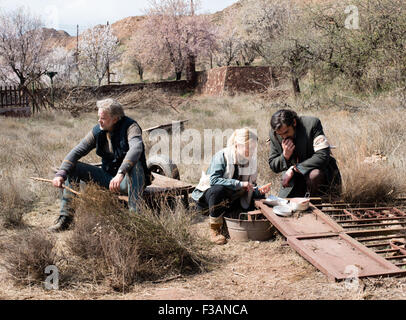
(123, 29)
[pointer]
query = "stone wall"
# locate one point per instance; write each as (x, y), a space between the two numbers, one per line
(217, 81)
(166, 86)
(232, 80)
(212, 81)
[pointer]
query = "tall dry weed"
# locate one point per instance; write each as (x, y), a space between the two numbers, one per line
(16, 199)
(123, 248)
(27, 254)
(370, 183)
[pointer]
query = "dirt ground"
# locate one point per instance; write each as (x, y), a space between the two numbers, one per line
(250, 270)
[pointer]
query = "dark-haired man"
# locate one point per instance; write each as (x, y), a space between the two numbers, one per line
(301, 151)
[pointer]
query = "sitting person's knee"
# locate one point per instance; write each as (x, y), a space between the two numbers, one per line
(316, 174)
(315, 180)
(218, 193)
(217, 189)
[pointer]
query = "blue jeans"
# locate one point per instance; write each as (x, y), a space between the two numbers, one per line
(132, 185)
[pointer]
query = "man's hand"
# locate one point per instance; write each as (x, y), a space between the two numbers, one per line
(288, 147)
(58, 182)
(247, 185)
(287, 177)
(115, 182)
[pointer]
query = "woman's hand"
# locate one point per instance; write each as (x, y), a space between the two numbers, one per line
(247, 185)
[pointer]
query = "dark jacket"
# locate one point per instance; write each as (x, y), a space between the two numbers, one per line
(304, 156)
(112, 162)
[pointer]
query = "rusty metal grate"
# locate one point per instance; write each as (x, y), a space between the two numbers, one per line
(333, 236)
(381, 229)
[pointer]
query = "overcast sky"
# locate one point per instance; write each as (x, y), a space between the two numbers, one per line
(66, 14)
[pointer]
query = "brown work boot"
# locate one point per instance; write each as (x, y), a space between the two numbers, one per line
(61, 224)
(215, 231)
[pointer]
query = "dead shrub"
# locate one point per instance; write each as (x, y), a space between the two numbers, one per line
(125, 248)
(371, 183)
(27, 254)
(15, 200)
(76, 100)
(150, 99)
(166, 243)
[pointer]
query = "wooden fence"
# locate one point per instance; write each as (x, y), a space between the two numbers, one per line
(14, 102)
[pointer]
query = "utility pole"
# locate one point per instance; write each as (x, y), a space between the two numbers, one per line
(191, 59)
(77, 55)
(77, 45)
(108, 65)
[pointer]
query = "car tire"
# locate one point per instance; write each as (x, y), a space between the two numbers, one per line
(163, 165)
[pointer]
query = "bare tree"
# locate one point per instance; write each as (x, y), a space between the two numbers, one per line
(370, 56)
(133, 54)
(263, 21)
(229, 41)
(279, 34)
(98, 49)
(137, 63)
(22, 47)
(247, 54)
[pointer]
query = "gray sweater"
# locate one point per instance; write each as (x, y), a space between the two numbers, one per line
(134, 134)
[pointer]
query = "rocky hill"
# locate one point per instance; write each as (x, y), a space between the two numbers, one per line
(56, 38)
(123, 29)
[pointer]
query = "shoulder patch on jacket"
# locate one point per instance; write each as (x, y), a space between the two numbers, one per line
(320, 142)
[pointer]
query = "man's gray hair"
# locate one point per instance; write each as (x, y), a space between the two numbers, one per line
(113, 107)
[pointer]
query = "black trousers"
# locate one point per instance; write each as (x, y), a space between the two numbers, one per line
(219, 200)
(315, 183)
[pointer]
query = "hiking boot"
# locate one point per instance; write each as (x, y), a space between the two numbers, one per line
(61, 224)
(215, 231)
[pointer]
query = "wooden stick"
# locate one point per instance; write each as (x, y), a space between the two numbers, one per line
(63, 186)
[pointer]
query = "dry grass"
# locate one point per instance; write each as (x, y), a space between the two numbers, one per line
(358, 136)
(27, 254)
(15, 200)
(104, 246)
(358, 127)
(125, 248)
(371, 184)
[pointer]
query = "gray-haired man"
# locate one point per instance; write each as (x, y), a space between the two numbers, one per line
(118, 141)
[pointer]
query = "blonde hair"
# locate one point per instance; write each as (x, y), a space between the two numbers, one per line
(242, 136)
(112, 106)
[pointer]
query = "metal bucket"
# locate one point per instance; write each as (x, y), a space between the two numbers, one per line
(245, 230)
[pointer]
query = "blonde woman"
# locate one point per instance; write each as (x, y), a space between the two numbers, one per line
(230, 179)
